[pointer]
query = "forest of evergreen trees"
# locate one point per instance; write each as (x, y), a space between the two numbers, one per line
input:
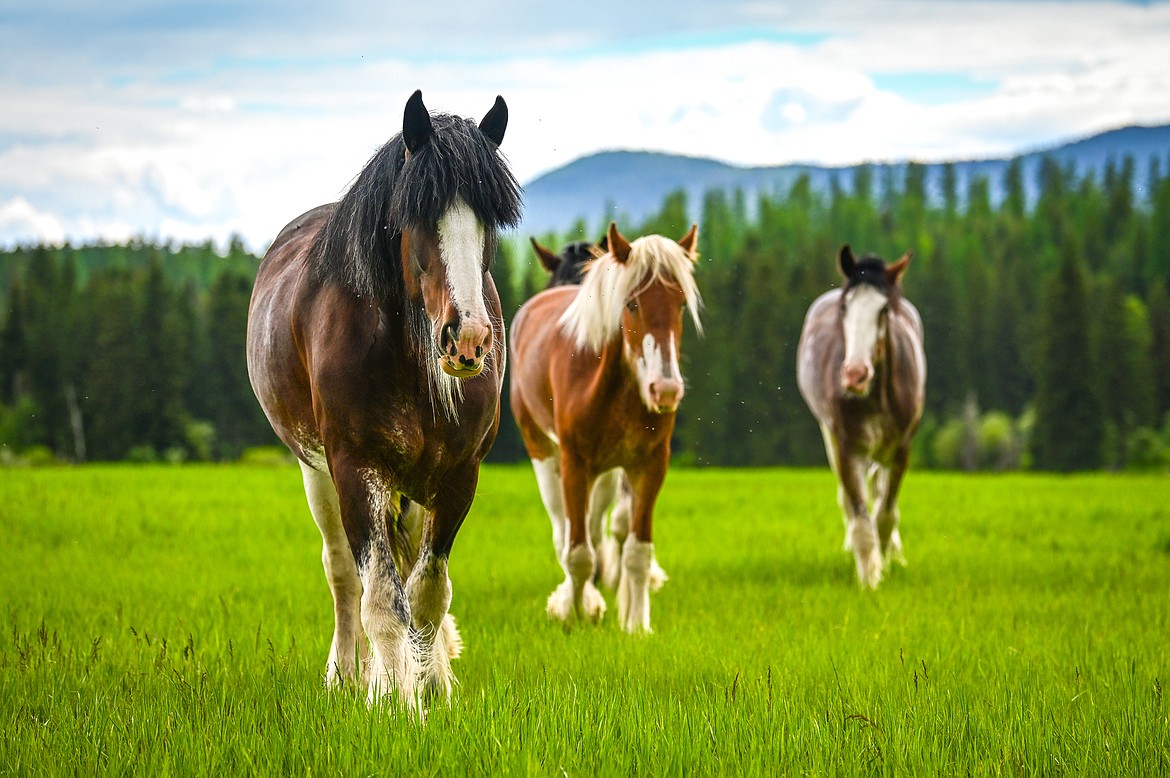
(1047, 327)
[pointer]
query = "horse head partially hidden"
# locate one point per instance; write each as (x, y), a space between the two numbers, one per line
(568, 267)
(376, 349)
(861, 369)
(872, 289)
(641, 291)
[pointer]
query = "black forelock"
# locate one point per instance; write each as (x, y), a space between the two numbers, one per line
(458, 160)
(358, 246)
(571, 269)
(871, 270)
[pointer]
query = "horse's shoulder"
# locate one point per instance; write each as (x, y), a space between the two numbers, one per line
(825, 302)
(908, 313)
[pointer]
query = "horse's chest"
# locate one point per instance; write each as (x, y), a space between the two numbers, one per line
(872, 433)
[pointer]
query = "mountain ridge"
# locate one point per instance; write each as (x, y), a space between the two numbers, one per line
(631, 185)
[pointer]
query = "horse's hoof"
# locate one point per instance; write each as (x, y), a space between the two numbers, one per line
(560, 602)
(592, 603)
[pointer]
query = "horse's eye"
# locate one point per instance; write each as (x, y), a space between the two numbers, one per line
(419, 257)
(632, 306)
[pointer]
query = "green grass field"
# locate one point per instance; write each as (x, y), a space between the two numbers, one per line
(163, 620)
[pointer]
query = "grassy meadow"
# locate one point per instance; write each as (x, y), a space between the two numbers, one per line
(175, 621)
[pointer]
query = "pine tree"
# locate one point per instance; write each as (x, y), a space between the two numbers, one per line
(1069, 429)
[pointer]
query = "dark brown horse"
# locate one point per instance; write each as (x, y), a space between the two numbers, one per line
(594, 387)
(376, 348)
(862, 371)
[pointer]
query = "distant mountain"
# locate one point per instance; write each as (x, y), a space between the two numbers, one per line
(631, 185)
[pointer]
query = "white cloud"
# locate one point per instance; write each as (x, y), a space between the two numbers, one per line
(19, 217)
(193, 146)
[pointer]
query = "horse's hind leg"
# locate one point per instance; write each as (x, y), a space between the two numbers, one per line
(577, 595)
(842, 496)
(611, 551)
(607, 543)
(342, 574)
(886, 511)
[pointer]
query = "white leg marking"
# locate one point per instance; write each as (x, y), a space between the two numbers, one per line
(429, 592)
(633, 589)
(548, 481)
(394, 663)
(577, 596)
(886, 516)
(619, 528)
(601, 499)
(342, 574)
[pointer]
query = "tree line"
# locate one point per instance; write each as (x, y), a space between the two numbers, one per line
(1047, 326)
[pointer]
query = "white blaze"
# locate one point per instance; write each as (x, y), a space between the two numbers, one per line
(461, 242)
(863, 306)
(653, 365)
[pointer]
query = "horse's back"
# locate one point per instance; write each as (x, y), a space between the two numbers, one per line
(536, 336)
(911, 348)
(537, 323)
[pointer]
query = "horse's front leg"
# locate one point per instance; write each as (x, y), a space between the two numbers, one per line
(364, 499)
(429, 586)
(577, 596)
(638, 560)
(342, 574)
(860, 532)
(886, 512)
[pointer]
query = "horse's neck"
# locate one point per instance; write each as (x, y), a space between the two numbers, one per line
(612, 369)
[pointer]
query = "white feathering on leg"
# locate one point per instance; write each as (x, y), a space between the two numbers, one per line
(633, 590)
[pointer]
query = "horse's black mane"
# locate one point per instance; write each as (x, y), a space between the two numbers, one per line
(359, 246)
(871, 270)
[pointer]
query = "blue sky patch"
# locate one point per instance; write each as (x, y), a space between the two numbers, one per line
(934, 88)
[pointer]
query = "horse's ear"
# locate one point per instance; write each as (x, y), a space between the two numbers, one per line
(550, 260)
(416, 123)
(618, 245)
(690, 240)
(495, 121)
(895, 270)
(845, 261)
(603, 244)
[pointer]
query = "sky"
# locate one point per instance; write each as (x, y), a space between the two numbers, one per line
(181, 120)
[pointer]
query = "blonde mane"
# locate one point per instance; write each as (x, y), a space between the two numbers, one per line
(595, 315)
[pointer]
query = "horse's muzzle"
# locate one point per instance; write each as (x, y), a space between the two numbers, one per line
(855, 379)
(463, 349)
(665, 395)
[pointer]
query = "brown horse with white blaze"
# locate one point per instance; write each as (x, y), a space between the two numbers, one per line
(376, 348)
(595, 385)
(861, 369)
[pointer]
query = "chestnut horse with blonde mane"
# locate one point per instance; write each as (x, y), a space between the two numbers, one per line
(564, 269)
(862, 370)
(595, 385)
(376, 348)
